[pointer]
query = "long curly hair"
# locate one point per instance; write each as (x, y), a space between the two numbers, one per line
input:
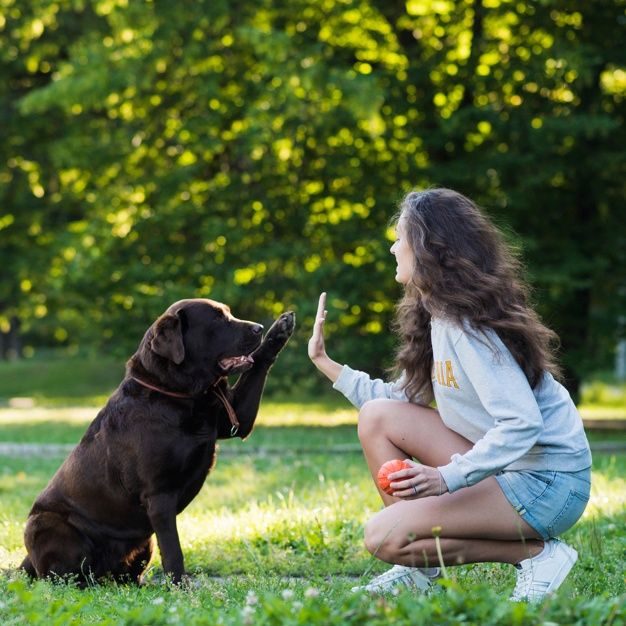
(464, 270)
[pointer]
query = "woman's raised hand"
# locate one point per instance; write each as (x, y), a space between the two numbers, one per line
(317, 347)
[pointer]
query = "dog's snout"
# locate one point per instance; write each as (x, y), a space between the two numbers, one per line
(257, 329)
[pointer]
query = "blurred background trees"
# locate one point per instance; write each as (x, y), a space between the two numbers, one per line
(255, 152)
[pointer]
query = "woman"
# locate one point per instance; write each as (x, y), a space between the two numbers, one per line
(503, 464)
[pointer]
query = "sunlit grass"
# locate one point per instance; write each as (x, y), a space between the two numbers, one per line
(299, 510)
(303, 515)
(608, 488)
(316, 423)
(67, 425)
(595, 412)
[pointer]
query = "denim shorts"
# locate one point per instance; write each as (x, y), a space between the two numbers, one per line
(550, 501)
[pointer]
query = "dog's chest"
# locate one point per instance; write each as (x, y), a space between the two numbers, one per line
(201, 422)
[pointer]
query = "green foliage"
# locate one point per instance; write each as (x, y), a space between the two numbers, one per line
(254, 154)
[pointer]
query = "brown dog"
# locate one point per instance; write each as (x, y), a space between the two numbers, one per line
(148, 451)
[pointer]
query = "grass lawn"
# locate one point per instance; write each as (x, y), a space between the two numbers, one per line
(285, 527)
(275, 535)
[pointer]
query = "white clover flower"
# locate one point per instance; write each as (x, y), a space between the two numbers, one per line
(158, 600)
(252, 598)
(287, 594)
(247, 613)
(311, 592)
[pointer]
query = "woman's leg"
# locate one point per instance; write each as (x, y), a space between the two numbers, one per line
(477, 524)
(390, 429)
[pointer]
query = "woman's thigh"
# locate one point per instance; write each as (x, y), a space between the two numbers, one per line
(416, 430)
(477, 512)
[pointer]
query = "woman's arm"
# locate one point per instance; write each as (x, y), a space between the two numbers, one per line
(357, 386)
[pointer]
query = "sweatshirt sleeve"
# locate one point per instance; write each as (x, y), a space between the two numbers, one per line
(358, 387)
(507, 397)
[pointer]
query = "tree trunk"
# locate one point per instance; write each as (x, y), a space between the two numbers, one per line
(11, 343)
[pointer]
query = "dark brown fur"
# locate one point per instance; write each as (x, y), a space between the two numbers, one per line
(146, 455)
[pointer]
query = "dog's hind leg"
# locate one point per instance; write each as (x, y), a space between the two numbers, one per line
(58, 549)
(136, 562)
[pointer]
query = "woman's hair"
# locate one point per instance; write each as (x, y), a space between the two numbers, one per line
(465, 271)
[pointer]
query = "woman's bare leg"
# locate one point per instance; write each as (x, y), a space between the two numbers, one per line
(477, 524)
(390, 429)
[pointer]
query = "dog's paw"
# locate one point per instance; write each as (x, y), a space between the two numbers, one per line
(279, 333)
(282, 328)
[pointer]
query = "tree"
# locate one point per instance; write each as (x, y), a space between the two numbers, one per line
(255, 154)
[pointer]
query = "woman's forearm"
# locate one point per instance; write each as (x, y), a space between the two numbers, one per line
(331, 369)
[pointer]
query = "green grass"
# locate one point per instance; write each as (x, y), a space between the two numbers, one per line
(277, 538)
(60, 380)
(313, 425)
(269, 523)
(57, 380)
(260, 519)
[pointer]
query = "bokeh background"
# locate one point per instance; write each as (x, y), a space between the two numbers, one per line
(254, 153)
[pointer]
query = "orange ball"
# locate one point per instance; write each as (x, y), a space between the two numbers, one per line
(389, 468)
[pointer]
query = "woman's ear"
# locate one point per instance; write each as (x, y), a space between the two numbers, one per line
(167, 339)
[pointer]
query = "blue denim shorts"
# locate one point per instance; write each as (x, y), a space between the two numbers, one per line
(550, 501)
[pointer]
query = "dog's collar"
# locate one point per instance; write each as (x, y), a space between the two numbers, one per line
(173, 394)
(232, 416)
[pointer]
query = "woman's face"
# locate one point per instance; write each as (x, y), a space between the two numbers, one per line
(403, 253)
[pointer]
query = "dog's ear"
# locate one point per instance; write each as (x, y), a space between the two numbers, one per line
(167, 340)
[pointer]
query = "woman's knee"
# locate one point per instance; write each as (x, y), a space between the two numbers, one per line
(376, 542)
(371, 418)
(384, 542)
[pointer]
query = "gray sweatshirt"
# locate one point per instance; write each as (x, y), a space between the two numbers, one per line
(482, 394)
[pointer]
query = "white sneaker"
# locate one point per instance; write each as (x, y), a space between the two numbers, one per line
(545, 572)
(399, 576)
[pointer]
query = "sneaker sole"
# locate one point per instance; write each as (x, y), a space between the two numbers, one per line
(426, 588)
(432, 577)
(565, 570)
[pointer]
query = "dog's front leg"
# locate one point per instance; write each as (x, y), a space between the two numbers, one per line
(247, 392)
(161, 510)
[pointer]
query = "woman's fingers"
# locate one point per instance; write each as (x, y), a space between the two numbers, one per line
(320, 318)
(316, 342)
(321, 309)
(416, 482)
(403, 480)
(403, 474)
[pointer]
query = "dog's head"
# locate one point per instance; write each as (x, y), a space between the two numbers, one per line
(195, 342)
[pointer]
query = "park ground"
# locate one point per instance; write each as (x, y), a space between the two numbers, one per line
(275, 535)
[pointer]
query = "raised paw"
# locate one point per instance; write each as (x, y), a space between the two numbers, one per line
(282, 328)
(278, 334)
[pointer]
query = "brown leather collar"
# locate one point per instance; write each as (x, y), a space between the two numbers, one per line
(232, 416)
